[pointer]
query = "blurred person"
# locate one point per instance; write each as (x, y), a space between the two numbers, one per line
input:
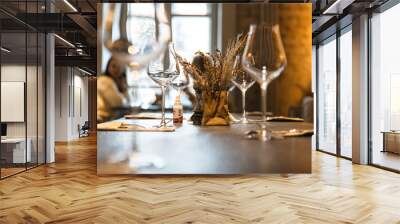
(111, 91)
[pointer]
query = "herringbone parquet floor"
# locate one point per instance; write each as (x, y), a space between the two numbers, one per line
(70, 192)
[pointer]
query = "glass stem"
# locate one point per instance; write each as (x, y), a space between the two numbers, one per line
(244, 103)
(264, 87)
(163, 122)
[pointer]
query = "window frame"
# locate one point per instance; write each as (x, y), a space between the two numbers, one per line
(333, 37)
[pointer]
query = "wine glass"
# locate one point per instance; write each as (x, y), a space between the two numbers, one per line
(264, 43)
(243, 81)
(233, 118)
(137, 57)
(182, 81)
(163, 70)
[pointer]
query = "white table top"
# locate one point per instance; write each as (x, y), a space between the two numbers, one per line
(13, 140)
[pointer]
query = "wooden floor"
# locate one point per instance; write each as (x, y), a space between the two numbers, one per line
(387, 159)
(70, 192)
(10, 171)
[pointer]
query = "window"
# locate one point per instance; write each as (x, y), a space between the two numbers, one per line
(327, 96)
(192, 21)
(335, 108)
(346, 93)
(385, 88)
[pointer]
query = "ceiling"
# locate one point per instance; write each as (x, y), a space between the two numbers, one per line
(15, 42)
(73, 20)
(331, 15)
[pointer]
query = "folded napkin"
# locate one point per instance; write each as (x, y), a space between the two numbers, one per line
(258, 113)
(283, 118)
(121, 126)
(145, 116)
(294, 133)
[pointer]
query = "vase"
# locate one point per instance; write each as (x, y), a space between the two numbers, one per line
(215, 108)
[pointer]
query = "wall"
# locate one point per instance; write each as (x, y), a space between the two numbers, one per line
(360, 89)
(92, 100)
(226, 24)
(295, 83)
(71, 102)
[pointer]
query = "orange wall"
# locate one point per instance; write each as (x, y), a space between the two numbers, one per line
(295, 22)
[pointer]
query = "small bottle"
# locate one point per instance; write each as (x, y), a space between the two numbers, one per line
(177, 111)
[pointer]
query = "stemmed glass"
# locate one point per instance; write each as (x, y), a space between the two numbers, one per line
(231, 116)
(163, 70)
(137, 57)
(243, 81)
(264, 43)
(182, 81)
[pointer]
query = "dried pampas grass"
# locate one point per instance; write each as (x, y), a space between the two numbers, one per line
(212, 74)
(215, 72)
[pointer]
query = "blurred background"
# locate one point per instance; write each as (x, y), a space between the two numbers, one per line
(208, 26)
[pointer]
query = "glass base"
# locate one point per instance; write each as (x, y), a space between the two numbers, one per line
(240, 120)
(164, 124)
(244, 120)
(262, 134)
(233, 119)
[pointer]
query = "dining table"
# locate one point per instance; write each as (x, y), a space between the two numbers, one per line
(198, 150)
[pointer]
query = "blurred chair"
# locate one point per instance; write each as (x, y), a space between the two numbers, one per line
(84, 130)
(305, 110)
(308, 109)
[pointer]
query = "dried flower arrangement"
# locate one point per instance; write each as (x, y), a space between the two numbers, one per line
(212, 73)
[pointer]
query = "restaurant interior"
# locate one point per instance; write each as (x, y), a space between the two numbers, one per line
(208, 112)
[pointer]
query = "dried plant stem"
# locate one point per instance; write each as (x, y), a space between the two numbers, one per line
(218, 67)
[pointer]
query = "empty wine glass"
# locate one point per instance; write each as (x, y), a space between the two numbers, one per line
(182, 81)
(265, 45)
(243, 81)
(137, 57)
(233, 118)
(163, 70)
